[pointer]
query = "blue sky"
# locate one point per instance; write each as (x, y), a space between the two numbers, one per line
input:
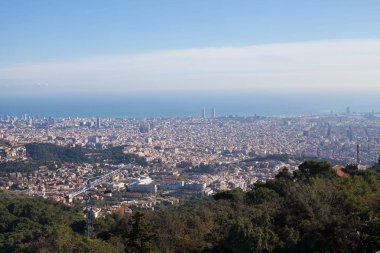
(63, 36)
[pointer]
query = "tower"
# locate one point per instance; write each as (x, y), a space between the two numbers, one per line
(348, 110)
(213, 114)
(203, 112)
(30, 121)
(50, 121)
(357, 153)
(98, 123)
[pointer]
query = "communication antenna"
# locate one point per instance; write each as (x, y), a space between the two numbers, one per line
(86, 189)
(357, 153)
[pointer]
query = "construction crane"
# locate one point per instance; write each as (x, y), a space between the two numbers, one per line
(86, 189)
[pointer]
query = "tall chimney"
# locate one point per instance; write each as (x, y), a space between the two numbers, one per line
(357, 153)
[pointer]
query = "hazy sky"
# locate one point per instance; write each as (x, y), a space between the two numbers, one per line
(189, 45)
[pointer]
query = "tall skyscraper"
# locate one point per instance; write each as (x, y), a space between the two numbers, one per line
(348, 110)
(30, 121)
(213, 113)
(144, 127)
(203, 112)
(51, 121)
(98, 123)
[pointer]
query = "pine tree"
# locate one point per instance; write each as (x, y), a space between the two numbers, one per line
(141, 238)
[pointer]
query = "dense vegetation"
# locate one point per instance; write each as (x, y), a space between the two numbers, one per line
(45, 154)
(113, 155)
(310, 211)
(51, 152)
(38, 225)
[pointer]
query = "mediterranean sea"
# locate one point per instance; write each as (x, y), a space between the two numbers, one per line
(181, 104)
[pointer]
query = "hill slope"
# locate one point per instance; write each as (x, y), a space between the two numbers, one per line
(310, 211)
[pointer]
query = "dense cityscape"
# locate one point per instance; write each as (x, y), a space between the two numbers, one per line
(161, 126)
(185, 157)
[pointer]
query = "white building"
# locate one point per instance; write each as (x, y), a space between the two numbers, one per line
(171, 184)
(143, 184)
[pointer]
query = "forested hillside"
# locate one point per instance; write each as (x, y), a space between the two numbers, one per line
(38, 225)
(310, 211)
(51, 152)
(45, 154)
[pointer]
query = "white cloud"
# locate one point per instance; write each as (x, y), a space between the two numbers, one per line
(337, 64)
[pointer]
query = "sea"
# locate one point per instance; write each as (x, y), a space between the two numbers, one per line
(149, 104)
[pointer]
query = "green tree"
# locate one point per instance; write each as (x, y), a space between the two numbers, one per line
(232, 195)
(260, 195)
(141, 239)
(313, 168)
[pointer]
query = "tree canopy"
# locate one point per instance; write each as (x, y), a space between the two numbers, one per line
(45, 154)
(310, 211)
